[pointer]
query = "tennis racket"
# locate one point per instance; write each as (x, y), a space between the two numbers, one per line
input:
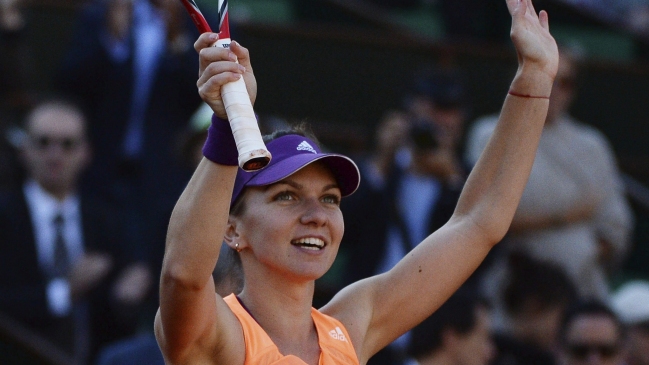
(253, 154)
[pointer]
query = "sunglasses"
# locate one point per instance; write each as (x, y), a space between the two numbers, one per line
(583, 351)
(67, 144)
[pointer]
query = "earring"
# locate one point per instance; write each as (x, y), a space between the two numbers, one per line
(236, 247)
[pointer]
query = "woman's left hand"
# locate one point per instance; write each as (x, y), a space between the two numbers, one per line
(530, 33)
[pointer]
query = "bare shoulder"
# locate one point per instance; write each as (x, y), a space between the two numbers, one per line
(222, 342)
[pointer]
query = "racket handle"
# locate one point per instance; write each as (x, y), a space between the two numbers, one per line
(253, 154)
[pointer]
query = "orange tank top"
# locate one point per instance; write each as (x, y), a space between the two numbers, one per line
(335, 346)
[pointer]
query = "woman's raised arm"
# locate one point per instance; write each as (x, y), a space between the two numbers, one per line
(379, 309)
(191, 319)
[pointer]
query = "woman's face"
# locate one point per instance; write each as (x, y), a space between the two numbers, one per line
(294, 226)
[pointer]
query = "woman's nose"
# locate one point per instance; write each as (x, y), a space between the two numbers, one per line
(314, 213)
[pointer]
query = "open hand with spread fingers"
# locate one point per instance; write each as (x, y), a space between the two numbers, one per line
(530, 33)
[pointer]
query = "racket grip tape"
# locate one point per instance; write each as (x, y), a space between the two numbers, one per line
(253, 154)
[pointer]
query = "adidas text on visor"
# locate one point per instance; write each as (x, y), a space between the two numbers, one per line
(291, 153)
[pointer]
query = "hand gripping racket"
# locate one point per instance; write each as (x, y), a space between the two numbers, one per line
(253, 154)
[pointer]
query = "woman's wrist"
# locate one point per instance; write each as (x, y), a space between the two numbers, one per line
(220, 146)
(532, 82)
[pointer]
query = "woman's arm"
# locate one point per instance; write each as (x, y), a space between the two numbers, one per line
(192, 322)
(379, 309)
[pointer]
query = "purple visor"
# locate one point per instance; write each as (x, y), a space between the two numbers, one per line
(292, 152)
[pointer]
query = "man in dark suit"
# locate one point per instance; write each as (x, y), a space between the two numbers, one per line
(65, 269)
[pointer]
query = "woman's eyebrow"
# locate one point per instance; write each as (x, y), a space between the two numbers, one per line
(298, 186)
(290, 183)
(331, 186)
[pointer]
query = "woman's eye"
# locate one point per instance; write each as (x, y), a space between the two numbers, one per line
(285, 195)
(331, 199)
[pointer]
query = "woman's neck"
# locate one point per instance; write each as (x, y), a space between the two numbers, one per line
(283, 310)
(275, 298)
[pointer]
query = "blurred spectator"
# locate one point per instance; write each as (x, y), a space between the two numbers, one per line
(438, 95)
(409, 198)
(591, 334)
(573, 211)
(631, 303)
(535, 299)
(65, 270)
(458, 333)
(389, 142)
(132, 64)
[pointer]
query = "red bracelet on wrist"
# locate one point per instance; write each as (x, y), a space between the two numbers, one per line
(510, 92)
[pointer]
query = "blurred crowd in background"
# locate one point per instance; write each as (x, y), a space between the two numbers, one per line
(91, 168)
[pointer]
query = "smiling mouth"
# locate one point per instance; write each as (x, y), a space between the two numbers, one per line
(309, 243)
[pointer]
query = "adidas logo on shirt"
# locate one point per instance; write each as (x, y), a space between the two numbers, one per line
(338, 334)
(305, 146)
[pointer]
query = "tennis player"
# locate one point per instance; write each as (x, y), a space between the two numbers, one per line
(285, 225)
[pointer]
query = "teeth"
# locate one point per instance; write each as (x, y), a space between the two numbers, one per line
(310, 243)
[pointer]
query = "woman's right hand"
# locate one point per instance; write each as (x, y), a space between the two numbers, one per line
(218, 66)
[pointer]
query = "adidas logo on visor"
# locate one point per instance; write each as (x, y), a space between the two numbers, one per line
(305, 146)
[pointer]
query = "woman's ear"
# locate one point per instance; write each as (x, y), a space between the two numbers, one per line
(231, 236)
